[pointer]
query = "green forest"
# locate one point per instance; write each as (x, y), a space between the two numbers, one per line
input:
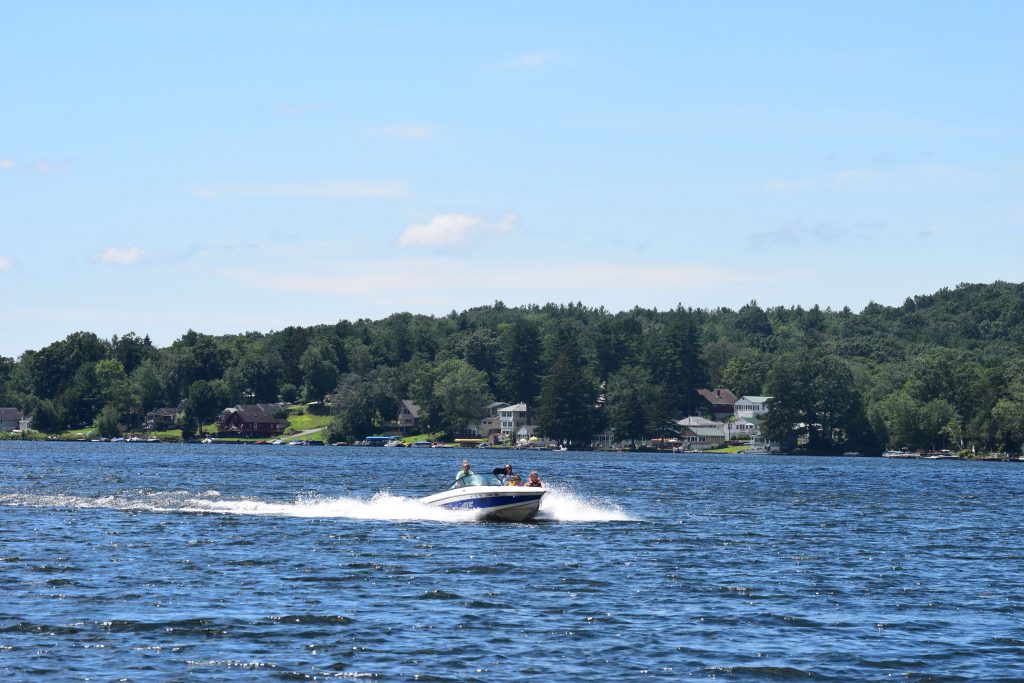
(944, 370)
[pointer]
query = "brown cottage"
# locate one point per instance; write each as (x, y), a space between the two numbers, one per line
(252, 422)
(719, 402)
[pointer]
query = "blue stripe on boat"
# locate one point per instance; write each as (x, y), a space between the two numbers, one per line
(490, 502)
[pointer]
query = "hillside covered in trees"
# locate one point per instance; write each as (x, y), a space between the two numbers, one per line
(942, 370)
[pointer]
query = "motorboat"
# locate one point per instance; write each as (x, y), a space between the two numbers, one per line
(486, 493)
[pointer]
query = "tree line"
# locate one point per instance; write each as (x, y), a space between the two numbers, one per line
(943, 370)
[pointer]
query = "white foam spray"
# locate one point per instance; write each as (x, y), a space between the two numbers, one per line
(558, 505)
(564, 505)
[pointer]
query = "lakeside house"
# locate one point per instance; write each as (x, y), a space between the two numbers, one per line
(408, 414)
(751, 408)
(719, 402)
(742, 426)
(10, 419)
(252, 421)
(702, 438)
(700, 433)
(490, 425)
(162, 418)
(513, 418)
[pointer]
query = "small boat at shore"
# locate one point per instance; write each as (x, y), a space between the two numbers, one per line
(485, 493)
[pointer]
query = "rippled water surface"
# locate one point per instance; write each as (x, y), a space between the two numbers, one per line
(168, 562)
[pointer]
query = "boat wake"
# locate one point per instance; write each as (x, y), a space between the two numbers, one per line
(563, 505)
(557, 506)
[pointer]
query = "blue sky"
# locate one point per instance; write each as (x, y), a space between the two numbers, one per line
(238, 166)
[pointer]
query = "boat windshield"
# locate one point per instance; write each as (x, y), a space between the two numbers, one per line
(477, 480)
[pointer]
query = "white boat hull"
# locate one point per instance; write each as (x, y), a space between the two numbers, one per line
(506, 503)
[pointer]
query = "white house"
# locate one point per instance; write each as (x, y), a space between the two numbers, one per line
(741, 427)
(513, 418)
(751, 408)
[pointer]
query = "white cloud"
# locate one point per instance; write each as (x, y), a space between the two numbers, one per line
(44, 167)
(121, 255)
(406, 131)
(6, 164)
(323, 190)
(442, 284)
(826, 232)
(5, 263)
(453, 230)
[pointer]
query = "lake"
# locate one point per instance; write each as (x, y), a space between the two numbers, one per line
(212, 562)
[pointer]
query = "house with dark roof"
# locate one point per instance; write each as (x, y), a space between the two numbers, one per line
(252, 421)
(162, 418)
(10, 419)
(719, 402)
(408, 413)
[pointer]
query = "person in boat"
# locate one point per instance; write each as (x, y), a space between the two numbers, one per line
(534, 480)
(464, 472)
(514, 480)
(504, 474)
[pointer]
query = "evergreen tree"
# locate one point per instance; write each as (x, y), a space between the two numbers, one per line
(520, 361)
(566, 408)
(677, 364)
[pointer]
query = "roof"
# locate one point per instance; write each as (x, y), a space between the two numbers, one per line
(755, 399)
(694, 421)
(10, 414)
(168, 412)
(260, 412)
(718, 397)
(413, 409)
(517, 408)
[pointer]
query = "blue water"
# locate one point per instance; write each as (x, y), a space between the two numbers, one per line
(168, 562)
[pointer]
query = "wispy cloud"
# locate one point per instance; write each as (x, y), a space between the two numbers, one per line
(886, 175)
(452, 279)
(825, 232)
(530, 60)
(124, 256)
(453, 230)
(406, 131)
(322, 190)
(5, 263)
(42, 167)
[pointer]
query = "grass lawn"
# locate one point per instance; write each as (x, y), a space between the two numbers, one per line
(299, 421)
(729, 449)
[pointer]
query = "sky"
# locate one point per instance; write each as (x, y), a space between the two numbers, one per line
(245, 166)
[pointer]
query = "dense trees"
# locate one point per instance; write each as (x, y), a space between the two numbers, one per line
(566, 409)
(940, 370)
(452, 395)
